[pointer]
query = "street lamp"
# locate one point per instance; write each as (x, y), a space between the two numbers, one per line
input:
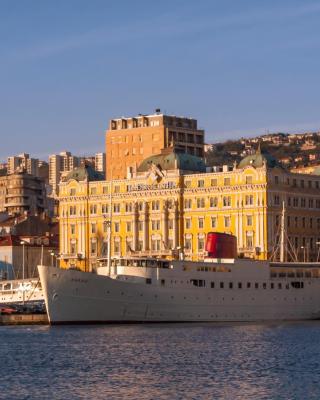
(304, 253)
(53, 254)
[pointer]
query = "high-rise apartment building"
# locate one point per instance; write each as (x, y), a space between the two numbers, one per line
(21, 192)
(23, 163)
(58, 164)
(100, 162)
(131, 140)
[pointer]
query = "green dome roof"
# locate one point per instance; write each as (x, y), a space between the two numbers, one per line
(84, 173)
(173, 160)
(258, 159)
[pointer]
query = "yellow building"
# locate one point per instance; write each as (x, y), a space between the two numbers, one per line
(173, 201)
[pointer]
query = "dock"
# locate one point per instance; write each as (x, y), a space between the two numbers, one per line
(24, 319)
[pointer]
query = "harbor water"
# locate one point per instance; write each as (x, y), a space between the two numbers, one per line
(161, 361)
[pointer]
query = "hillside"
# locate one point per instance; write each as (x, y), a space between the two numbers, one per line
(292, 150)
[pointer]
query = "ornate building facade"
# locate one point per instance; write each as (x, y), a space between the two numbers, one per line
(172, 202)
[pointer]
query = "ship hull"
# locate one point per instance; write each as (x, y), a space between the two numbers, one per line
(77, 297)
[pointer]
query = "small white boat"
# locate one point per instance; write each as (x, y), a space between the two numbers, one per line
(20, 291)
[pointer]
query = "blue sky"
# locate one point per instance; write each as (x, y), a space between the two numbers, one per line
(240, 67)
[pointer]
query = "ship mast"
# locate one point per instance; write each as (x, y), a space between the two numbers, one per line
(282, 255)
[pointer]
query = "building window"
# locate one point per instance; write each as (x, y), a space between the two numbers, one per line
(188, 223)
(155, 205)
(227, 222)
(73, 247)
(200, 244)
(128, 226)
(310, 203)
(249, 200)
(226, 201)
(104, 208)
(226, 181)
(72, 229)
(276, 200)
(72, 210)
(93, 228)
(200, 223)
(303, 222)
(249, 220)
(105, 226)
(303, 203)
(249, 240)
(104, 189)
(187, 203)
(249, 180)
(276, 180)
(155, 224)
(155, 244)
(187, 244)
(128, 207)
(93, 209)
(213, 202)
(201, 203)
(93, 247)
(116, 245)
(116, 189)
(72, 192)
(116, 208)
(214, 182)
(116, 227)
(200, 183)
(213, 222)
(93, 190)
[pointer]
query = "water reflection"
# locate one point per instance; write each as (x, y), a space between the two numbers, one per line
(161, 361)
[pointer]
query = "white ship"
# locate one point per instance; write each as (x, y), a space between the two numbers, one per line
(151, 290)
(20, 291)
